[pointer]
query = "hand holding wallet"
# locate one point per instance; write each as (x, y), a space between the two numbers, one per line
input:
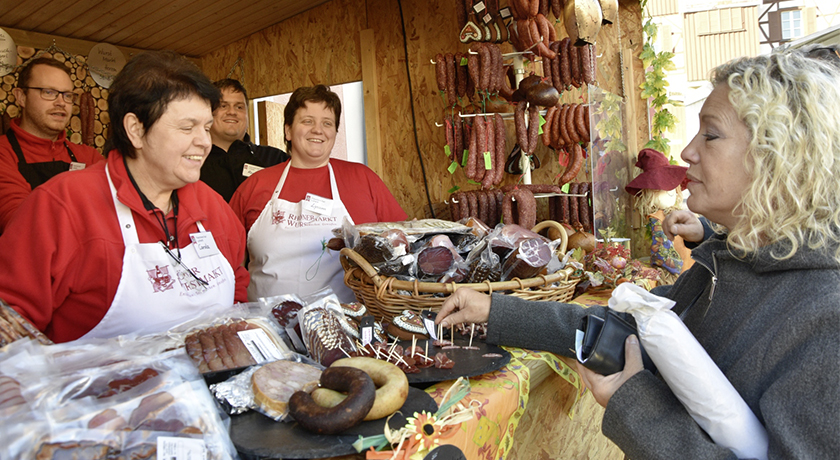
(600, 343)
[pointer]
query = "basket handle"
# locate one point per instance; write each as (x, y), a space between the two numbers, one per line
(363, 264)
(564, 237)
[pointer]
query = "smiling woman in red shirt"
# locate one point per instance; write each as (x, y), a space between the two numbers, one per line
(136, 244)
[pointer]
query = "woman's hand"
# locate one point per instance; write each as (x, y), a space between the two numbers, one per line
(464, 306)
(685, 224)
(604, 386)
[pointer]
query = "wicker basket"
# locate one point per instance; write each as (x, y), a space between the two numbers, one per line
(14, 327)
(383, 297)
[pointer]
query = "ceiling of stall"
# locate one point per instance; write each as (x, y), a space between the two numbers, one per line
(190, 27)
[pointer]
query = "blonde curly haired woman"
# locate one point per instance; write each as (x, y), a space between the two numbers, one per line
(763, 297)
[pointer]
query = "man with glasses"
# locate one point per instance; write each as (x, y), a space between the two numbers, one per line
(36, 148)
(234, 157)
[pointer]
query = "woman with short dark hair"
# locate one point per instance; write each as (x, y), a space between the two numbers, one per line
(135, 244)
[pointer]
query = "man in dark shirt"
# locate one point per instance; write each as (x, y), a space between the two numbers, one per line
(234, 157)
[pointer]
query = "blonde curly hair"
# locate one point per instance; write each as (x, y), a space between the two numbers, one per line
(790, 101)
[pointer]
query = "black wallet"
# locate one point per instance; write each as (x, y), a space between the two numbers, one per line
(600, 343)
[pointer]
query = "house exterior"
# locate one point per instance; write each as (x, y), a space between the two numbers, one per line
(703, 35)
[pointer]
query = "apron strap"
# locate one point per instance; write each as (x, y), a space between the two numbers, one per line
(126, 220)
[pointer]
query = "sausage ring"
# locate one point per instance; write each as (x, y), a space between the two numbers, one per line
(361, 394)
(391, 386)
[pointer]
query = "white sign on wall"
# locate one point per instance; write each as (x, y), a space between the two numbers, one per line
(8, 53)
(104, 62)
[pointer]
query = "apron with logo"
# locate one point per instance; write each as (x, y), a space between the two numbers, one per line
(287, 245)
(156, 292)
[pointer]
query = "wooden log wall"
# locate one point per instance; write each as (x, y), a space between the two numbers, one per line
(322, 45)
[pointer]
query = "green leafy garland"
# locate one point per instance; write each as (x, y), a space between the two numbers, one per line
(654, 89)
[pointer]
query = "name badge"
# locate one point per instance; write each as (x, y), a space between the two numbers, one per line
(317, 204)
(204, 244)
(248, 169)
(75, 166)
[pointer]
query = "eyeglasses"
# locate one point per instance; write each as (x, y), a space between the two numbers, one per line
(49, 94)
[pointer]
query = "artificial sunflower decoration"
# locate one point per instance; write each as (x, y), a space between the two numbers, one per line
(426, 429)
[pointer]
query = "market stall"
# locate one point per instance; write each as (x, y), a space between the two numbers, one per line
(560, 153)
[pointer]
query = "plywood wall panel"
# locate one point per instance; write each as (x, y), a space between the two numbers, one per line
(322, 46)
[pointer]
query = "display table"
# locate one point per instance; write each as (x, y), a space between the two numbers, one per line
(535, 407)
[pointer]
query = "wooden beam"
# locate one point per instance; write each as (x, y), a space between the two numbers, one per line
(370, 85)
(73, 46)
(639, 246)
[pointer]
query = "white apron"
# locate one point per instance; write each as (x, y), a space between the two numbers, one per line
(155, 292)
(287, 246)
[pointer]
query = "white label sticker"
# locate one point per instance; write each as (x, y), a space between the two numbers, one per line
(367, 335)
(579, 344)
(260, 345)
(204, 243)
(170, 448)
(249, 169)
(479, 7)
(317, 204)
(76, 166)
(504, 13)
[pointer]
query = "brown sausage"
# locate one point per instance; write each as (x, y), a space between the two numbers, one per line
(556, 79)
(552, 208)
(440, 72)
(564, 214)
(495, 66)
(458, 134)
(449, 130)
(574, 64)
(547, 64)
(583, 207)
(361, 393)
(492, 211)
(571, 129)
(575, 163)
(489, 174)
(526, 33)
(461, 75)
(533, 188)
(557, 8)
(481, 142)
(541, 26)
(544, 7)
(454, 208)
(533, 128)
(472, 156)
(501, 149)
(87, 112)
(486, 67)
(549, 119)
(507, 209)
(483, 206)
(565, 68)
(451, 88)
(556, 135)
(474, 69)
(593, 62)
(534, 9)
(564, 135)
(472, 200)
(574, 219)
(526, 208)
(580, 125)
(586, 118)
(586, 66)
(521, 128)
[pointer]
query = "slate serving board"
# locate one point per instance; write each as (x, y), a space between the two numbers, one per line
(256, 436)
(468, 363)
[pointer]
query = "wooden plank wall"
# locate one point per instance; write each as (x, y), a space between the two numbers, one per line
(322, 45)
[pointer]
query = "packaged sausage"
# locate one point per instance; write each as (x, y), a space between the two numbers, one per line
(123, 404)
(323, 334)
